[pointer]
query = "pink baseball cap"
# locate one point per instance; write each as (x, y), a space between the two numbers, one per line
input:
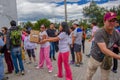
(110, 15)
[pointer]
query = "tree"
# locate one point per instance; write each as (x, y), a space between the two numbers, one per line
(117, 10)
(44, 21)
(94, 13)
(28, 24)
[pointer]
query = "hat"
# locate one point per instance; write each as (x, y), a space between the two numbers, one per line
(76, 22)
(109, 16)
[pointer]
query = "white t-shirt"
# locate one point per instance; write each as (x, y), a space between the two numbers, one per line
(78, 35)
(41, 37)
(63, 42)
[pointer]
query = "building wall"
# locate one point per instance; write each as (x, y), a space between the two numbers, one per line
(8, 12)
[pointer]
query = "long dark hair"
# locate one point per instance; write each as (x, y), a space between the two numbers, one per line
(65, 27)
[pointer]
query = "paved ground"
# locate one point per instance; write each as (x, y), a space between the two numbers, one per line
(78, 72)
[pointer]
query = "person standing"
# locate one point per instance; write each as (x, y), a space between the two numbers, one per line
(71, 47)
(51, 33)
(116, 49)
(94, 29)
(83, 39)
(30, 48)
(2, 77)
(77, 42)
(104, 39)
(64, 51)
(7, 55)
(14, 47)
(22, 46)
(44, 51)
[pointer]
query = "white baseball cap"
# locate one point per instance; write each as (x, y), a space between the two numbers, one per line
(76, 22)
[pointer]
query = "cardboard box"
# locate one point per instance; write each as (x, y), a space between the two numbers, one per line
(34, 36)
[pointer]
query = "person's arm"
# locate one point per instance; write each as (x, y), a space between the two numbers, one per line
(100, 41)
(92, 36)
(54, 39)
(1, 43)
(106, 51)
(73, 38)
(8, 40)
(4, 39)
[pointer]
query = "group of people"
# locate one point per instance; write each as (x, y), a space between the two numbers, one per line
(105, 42)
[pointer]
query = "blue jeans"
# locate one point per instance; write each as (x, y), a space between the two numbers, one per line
(1, 68)
(17, 58)
(52, 49)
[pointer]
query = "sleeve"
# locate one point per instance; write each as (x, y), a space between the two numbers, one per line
(61, 35)
(99, 37)
(75, 33)
(1, 42)
(45, 33)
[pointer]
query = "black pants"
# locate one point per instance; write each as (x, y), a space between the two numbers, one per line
(72, 53)
(115, 61)
(83, 45)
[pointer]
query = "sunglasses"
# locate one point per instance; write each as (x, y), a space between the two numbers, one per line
(113, 20)
(2, 30)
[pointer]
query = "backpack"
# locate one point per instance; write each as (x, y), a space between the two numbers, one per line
(15, 36)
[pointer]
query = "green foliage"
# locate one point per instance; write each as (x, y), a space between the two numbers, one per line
(44, 21)
(28, 24)
(117, 10)
(94, 13)
(84, 24)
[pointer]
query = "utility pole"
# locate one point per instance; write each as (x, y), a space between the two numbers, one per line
(65, 4)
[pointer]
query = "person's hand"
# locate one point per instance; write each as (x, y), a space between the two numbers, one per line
(89, 40)
(115, 46)
(42, 41)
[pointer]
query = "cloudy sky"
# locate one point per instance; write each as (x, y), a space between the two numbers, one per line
(31, 10)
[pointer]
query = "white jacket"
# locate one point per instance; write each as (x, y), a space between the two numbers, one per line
(28, 44)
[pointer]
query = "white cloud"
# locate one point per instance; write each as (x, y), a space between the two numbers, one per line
(35, 9)
(41, 1)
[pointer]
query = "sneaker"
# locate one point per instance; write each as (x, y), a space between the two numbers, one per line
(88, 55)
(29, 62)
(17, 74)
(22, 72)
(8, 72)
(5, 78)
(35, 64)
(81, 63)
(54, 58)
(50, 71)
(71, 62)
(115, 71)
(56, 75)
(37, 67)
(77, 65)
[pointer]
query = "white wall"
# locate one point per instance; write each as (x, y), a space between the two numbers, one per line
(8, 12)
